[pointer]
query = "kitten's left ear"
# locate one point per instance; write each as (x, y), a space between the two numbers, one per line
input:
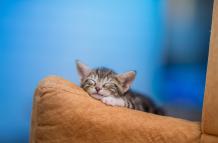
(126, 79)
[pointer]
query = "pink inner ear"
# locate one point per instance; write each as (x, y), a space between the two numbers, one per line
(127, 83)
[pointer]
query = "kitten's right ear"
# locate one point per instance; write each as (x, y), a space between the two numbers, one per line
(127, 79)
(82, 69)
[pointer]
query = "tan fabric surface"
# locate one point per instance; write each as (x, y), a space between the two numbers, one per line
(209, 139)
(210, 109)
(64, 113)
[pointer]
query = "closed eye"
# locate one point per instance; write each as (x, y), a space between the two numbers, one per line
(110, 86)
(91, 82)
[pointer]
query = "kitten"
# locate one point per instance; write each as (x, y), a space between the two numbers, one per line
(114, 89)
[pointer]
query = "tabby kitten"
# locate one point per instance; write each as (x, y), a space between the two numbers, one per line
(114, 89)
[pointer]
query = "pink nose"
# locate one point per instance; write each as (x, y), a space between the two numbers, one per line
(97, 89)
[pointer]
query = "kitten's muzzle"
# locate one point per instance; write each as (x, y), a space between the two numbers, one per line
(97, 96)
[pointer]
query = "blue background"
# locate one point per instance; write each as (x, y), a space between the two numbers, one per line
(166, 42)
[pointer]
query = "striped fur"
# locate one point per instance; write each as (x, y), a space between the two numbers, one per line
(114, 89)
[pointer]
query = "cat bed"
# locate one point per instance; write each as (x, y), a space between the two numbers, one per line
(64, 113)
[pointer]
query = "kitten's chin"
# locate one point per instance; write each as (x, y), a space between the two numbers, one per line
(97, 96)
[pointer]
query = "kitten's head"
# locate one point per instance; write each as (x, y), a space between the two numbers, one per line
(101, 82)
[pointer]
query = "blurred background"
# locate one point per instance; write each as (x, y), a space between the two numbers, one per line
(165, 41)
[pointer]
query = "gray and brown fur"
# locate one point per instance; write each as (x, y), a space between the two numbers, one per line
(103, 82)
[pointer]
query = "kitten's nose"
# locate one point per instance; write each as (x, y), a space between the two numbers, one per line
(97, 89)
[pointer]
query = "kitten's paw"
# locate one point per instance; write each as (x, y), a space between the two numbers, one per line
(113, 101)
(109, 101)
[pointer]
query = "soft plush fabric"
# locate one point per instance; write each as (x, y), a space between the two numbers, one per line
(210, 109)
(64, 113)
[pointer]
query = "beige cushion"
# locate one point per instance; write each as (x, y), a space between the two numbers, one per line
(210, 110)
(64, 113)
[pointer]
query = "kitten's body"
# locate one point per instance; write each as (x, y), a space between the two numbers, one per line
(142, 103)
(114, 89)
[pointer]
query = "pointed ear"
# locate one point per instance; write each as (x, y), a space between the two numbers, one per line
(126, 79)
(82, 69)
